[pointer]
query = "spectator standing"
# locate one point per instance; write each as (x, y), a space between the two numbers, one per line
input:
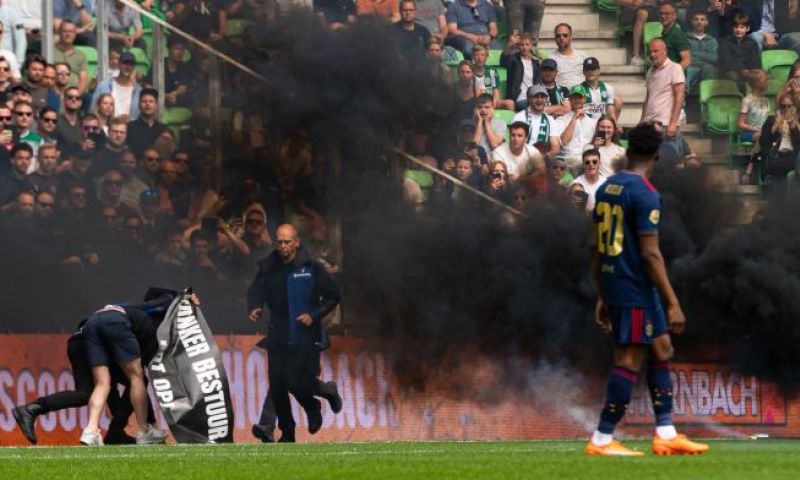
(431, 14)
(65, 52)
(124, 88)
(662, 105)
(79, 13)
(146, 129)
(34, 70)
(523, 73)
(569, 60)
(16, 180)
(69, 121)
(518, 11)
(705, 52)
(470, 22)
(13, 38)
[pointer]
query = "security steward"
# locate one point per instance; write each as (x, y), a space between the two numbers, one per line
(299, 292)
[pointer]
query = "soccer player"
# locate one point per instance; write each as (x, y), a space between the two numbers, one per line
(630, 273)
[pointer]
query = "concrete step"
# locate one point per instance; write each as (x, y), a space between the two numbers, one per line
(700, 146)
(751, 206)
(562, 7)
(743, 190)
(721, 176)
(608, 57)
(712, 158)
(578, 21)
(581, 39)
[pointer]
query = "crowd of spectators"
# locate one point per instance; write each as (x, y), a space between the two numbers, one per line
(89, 173)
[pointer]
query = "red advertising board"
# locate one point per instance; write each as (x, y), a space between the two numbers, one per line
(551, 402)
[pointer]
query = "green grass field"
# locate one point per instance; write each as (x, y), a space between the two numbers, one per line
(770, 459)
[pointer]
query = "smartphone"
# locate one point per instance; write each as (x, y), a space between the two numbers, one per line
(497, 175)
(209, 226)
(98, 138)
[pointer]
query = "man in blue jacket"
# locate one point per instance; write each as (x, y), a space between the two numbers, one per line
(299, 293)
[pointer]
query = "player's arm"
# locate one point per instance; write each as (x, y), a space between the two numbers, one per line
(601, 316)
(657, 271)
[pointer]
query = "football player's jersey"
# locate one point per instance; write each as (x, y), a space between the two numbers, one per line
(625, 206)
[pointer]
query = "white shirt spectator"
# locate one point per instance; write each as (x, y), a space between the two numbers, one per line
(589, 188)
(596, 107)
(14, 38)
(528, 160)
(30, 11)
(611, 158)
(13, 62)
(570, 68)
(582, 135)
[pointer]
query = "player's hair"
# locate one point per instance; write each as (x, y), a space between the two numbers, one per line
(519, 125)
(643, 142)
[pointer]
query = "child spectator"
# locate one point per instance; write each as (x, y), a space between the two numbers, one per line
(739, 54)
(753, 114)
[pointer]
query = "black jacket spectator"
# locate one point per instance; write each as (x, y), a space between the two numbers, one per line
(513, 63)
(412, 44)
(142, 136)
(735, 56)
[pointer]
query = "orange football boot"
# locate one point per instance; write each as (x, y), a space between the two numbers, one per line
(613, 449)
(679, 445)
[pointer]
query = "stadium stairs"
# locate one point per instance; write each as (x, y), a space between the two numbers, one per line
(595, 34)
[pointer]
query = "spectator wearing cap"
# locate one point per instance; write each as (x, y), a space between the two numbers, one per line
(145, 129)
(521, 158)
(34, 72)
(10, 56)
(557, 95)
(543, 130)
(79, 13)
(569, 60)
(599, 97)
(678, 48)
(124, 88)
(664, 98)
(121, 20)
(577, 130)
(470, 22)
(69, 121)
(65, 52)
(523, 72)
(13, 32)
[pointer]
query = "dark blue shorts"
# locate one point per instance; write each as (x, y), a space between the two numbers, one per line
(637, 325)
(109, 337)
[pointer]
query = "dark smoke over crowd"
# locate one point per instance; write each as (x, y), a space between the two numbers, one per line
(436, 288)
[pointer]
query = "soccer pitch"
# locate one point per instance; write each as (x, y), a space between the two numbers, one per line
(772, 459)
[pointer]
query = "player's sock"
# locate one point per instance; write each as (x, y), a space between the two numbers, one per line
(618, 396)
(660, 384)
(602, 439)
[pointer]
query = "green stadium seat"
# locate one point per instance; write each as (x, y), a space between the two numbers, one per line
(720, 101)
(505, 115)
(709, 88)
(423, 178)
(611, 7)
(459, 58)
(176, 116)
(544, 53)
(502, 80)
(777, 63)
(91, 58)
(652, 30)
(494, 58)
(142, 61)
(236, 27)
(623, 142)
